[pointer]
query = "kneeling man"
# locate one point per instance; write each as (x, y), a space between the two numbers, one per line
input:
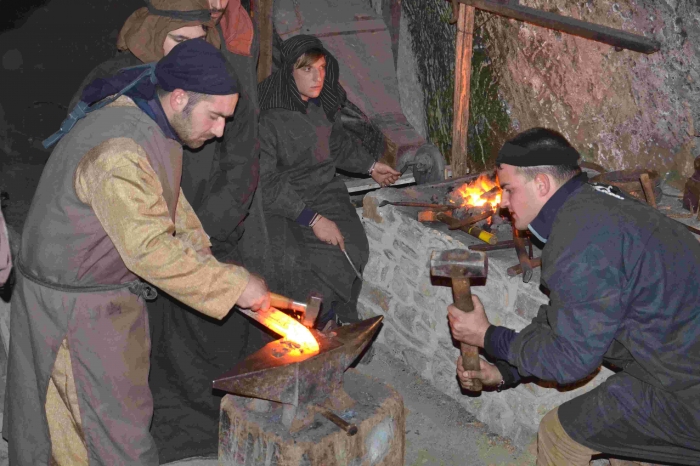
(623, 288)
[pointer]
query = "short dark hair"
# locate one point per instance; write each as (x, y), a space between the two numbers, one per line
(308, 58)
(193, 98)
(540, 138)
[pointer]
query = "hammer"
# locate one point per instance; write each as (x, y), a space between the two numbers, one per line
(308, 311)
(460, 265)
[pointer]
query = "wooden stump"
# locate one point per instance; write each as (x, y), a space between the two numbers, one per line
(254, 438)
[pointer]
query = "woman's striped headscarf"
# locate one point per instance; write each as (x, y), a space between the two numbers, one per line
(279, 90)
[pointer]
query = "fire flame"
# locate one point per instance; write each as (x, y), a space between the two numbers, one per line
(300, 338)
(472, 192)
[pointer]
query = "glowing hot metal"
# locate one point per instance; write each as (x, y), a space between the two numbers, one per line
(298, 338)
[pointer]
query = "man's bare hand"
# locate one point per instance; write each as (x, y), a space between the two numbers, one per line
(255, 296)
(489, 375)
(384, 174)
(469, 327)
(328, 232)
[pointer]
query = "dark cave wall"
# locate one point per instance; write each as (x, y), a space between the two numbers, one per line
(47, 56)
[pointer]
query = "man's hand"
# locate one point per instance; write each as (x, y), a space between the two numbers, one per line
(255, 296)
(489, 375)
(469, 327)
(328, 232)
(384, 174)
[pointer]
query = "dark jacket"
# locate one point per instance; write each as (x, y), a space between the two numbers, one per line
(623, 287)
(300, 154)
(188, 350)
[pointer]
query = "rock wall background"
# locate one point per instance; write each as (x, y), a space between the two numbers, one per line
(620, 109)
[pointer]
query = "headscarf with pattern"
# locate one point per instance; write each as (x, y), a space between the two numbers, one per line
(279, 90)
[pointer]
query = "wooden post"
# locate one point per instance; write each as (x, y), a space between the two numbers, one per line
(264, 20)
(463, 66)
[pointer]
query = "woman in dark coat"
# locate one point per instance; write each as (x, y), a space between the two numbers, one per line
(309, 220)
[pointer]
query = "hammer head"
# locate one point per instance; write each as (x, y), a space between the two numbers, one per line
(458, 263)
(313, 306)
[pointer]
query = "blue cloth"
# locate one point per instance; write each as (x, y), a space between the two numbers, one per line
(154, 109)
(496, 344)
(193, 65)
(305, 217)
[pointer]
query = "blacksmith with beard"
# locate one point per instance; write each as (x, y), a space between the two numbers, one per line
(108, 215)
(219, 179)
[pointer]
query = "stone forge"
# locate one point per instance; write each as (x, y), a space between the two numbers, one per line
(399, 288)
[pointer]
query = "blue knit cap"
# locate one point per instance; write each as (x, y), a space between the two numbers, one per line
(193, 65)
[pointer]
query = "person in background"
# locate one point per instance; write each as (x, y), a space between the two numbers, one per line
(309, 220)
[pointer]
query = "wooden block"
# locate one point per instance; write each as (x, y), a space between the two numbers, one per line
(254, 438)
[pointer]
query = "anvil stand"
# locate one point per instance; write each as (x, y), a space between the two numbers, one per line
(270, 416)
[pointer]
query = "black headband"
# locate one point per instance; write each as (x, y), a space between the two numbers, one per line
(521, 157)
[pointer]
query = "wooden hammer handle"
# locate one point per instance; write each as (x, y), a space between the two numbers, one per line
(648, 189)
(462, 294)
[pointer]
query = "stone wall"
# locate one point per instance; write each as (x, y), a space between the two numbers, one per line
(398, 286)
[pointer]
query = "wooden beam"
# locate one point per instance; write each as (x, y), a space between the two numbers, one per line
(264, 20)
(463, 66)
(604, 34)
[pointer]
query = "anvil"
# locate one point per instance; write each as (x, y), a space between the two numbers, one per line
(306, 381)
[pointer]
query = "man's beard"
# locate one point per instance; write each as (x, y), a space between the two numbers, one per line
(182, 124)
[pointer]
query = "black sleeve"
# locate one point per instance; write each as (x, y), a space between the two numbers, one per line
(234, 174)
(349, 154)
(511, 377)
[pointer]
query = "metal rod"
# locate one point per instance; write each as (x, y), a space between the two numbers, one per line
(352, 265)
(604, 34)
(351, 429)
(473, 219)
(426, 205)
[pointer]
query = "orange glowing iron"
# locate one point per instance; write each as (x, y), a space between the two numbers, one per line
(299, 337)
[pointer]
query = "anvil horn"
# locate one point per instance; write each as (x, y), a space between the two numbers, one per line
(272, 373)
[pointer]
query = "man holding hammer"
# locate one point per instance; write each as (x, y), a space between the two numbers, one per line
(623, 287)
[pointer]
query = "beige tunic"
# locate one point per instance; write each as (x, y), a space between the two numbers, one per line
(108, 209)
